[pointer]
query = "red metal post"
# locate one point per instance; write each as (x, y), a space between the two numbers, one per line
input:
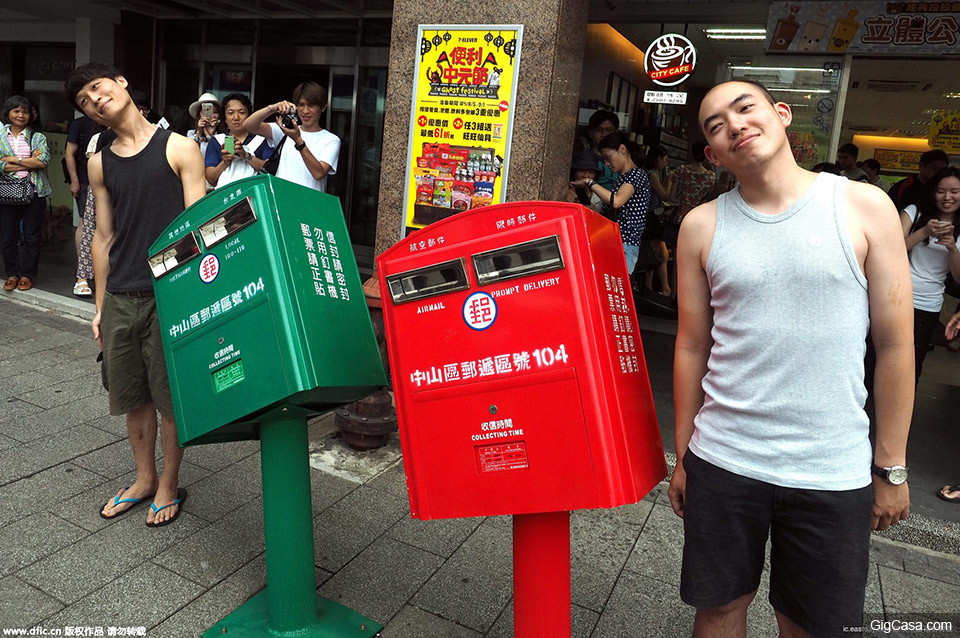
(541, 575)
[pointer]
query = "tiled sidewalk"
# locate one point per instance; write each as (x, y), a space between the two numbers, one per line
(61, 456)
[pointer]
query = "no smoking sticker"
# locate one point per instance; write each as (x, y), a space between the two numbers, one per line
(480, 311)
(209, 268)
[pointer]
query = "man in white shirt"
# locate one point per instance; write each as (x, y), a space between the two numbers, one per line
(309, 153)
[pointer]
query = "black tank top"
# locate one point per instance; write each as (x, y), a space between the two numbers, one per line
(146, 195)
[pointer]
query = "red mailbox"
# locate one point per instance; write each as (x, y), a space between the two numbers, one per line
(518, 369)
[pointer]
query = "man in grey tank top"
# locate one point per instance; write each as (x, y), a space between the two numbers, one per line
(142, 182)
(779, 282)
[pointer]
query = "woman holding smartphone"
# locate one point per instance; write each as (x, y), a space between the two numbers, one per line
(930, 230)
(235, 154)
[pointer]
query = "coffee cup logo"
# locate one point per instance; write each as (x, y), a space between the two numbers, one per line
(670, 59)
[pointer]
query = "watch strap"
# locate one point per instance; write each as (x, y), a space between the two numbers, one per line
(302, 145)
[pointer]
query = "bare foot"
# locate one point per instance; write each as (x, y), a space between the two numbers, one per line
(127, 498)
(166, 507)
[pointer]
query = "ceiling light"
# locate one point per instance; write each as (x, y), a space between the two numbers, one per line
(754, 31)
(951, 95)
(779, 90)
(777, 68)
(736, 36)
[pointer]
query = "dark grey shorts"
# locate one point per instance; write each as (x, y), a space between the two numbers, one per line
(820, 546)
(135, 370)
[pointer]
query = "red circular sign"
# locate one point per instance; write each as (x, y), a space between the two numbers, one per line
(457, 123)
(670, 59)
(209, 268)
(503, 105)
(422, 120)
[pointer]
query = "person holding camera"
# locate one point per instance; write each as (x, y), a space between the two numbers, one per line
(206, 113)
(308, 152)
(235, 154)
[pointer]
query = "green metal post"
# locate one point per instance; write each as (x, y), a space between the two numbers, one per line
(288, 521)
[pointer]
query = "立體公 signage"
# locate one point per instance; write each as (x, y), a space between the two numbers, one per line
(464, 98)
(898, 28)
(670, 59)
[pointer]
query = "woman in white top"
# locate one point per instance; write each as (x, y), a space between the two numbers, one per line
(223, 165)
(931, 235)
(309, 154)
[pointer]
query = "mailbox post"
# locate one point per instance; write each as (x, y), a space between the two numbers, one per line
(264, 324)
(520, 382)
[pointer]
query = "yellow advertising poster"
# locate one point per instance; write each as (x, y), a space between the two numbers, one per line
(464, 96)
(945, 131)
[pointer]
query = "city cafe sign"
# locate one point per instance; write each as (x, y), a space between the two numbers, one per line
(670, 59)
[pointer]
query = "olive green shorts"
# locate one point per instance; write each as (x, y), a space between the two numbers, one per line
(135, 370)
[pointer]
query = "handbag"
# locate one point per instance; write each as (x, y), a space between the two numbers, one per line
(273, 162)
(15, 191)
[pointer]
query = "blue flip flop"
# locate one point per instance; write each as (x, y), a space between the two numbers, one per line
(181, 497)
(116, 500)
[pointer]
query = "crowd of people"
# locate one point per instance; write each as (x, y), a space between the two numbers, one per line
(233, 139)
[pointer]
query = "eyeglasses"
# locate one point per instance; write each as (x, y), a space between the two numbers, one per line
(606, 130)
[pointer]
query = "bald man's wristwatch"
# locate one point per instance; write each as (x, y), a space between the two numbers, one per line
(895, 474)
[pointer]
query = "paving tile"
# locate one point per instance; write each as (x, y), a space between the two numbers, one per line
(35, 537)
(909, 593)
(44, 490)
(599, 548)
(442, 537)
(378, 593)
(99, 558)
(933, 565)
(659, 550)
(61, 392)
(326, 489)
(14, 409)
(20, 385)
(7, 442)
(475, 584)
(412, 622)
(41, 454)
(216, 603)
(218, 550)
(110, 461)
(142, 597)
(391, 480)
(582, 623)
(217, 456)
(641, 606)
(23, 606)
(228, 489)
(343, 530)
(44, 423)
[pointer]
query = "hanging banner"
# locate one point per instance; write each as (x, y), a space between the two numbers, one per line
(461, 120)
(889, 28)
(945, 131)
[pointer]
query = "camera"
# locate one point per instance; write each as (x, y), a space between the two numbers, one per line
(290, 119)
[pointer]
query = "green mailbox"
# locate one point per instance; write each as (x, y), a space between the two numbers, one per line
(259, 308)
(264, 323)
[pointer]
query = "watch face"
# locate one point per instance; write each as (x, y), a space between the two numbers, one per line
(897, 475)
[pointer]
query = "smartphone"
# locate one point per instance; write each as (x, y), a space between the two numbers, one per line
(228, 143)
(206, 110)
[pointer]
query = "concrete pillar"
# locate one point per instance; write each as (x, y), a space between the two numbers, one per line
(94, 41)
(548, 88)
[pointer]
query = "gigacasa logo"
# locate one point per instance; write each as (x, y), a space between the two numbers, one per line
(670, 59)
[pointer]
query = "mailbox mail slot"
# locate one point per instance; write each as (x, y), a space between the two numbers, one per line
(518, 369)
(260, 303)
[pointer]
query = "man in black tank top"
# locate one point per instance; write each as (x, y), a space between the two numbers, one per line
(759, 458)
(142, 181)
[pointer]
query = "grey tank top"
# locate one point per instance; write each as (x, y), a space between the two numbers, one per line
(147, 195)
(784, 390)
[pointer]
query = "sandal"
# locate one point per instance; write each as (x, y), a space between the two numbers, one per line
(11, 283)
(25, 284)
(82, 289)
(943, 491)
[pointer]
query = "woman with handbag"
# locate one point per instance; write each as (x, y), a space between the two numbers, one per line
(24, 188)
